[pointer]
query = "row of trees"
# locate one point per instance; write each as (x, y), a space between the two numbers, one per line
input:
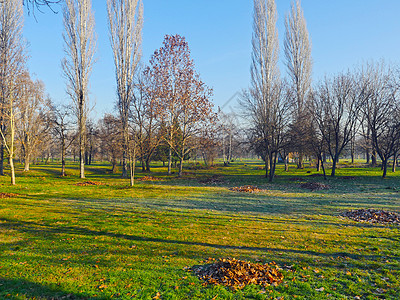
(164, 103)
(164, 108)
(289, 116)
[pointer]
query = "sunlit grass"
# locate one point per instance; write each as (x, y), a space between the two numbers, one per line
(58, 239)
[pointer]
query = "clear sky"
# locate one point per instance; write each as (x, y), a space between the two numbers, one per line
(344, 33)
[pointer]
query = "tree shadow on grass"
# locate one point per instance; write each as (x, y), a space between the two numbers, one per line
(17, 288)
(41, 229)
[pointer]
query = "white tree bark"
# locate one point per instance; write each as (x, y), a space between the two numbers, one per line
(125, 19)
(12, 64)
(80, 47)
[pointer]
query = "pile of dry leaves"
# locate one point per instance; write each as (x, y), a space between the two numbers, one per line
(237, 273)
(315, 186)
(246, 189)
(89, 183)
(373, 216)
(8, 195)
(149, 178)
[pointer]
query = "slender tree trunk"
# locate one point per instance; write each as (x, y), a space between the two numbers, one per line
(2, 160)
(181, 161)
(12, 170)
(323, 168)
(368, 156)
(125, 150)
(230, 148)
(394, 162)
(286, 163)
(224, 150)
(170, 161)
(133, 166)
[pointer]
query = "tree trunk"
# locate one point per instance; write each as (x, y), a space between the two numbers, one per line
(224, 150)
(181, 161)
(333, 174)
(384, 165)
(300, 161)
(394, 162)
(133, 166)
(12, 170)
(319, 164)
(2, 160)
(272, 167)
(323, 169)
(114, 166)
(27, 161)
(373, 159)
(230, 148)
(266, 160)
(286, 163)
(170, 161)
(143, 164)
(148, 169)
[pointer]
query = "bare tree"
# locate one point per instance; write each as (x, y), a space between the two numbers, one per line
(297, 46)
(336, 107)
(33, 117)
(80, 46)
(265, 103)
(125, 19)
(62, 129)
(381, 108)
(12, 64)
(110, 139)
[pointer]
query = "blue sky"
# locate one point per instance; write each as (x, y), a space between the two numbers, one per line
(344, 33)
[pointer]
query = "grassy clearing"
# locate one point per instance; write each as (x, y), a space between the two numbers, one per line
(62, 241)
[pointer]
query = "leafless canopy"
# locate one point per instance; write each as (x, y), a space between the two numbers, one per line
(125, 19)
(80, 46)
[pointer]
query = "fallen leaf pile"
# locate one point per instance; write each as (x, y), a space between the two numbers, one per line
(214, 180)
(8, 195)
(88, 183)
(315, 186)
(149, 178)
(373, 216)
(237, 273)
(246, 189)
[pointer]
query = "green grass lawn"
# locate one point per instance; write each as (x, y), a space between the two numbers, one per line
(62, 241)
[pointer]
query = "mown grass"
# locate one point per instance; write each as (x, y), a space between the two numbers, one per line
(62, 241)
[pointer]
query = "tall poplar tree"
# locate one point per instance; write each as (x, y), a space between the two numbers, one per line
(80, 47)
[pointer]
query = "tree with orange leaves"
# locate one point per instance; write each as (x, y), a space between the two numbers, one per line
(183, 99)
